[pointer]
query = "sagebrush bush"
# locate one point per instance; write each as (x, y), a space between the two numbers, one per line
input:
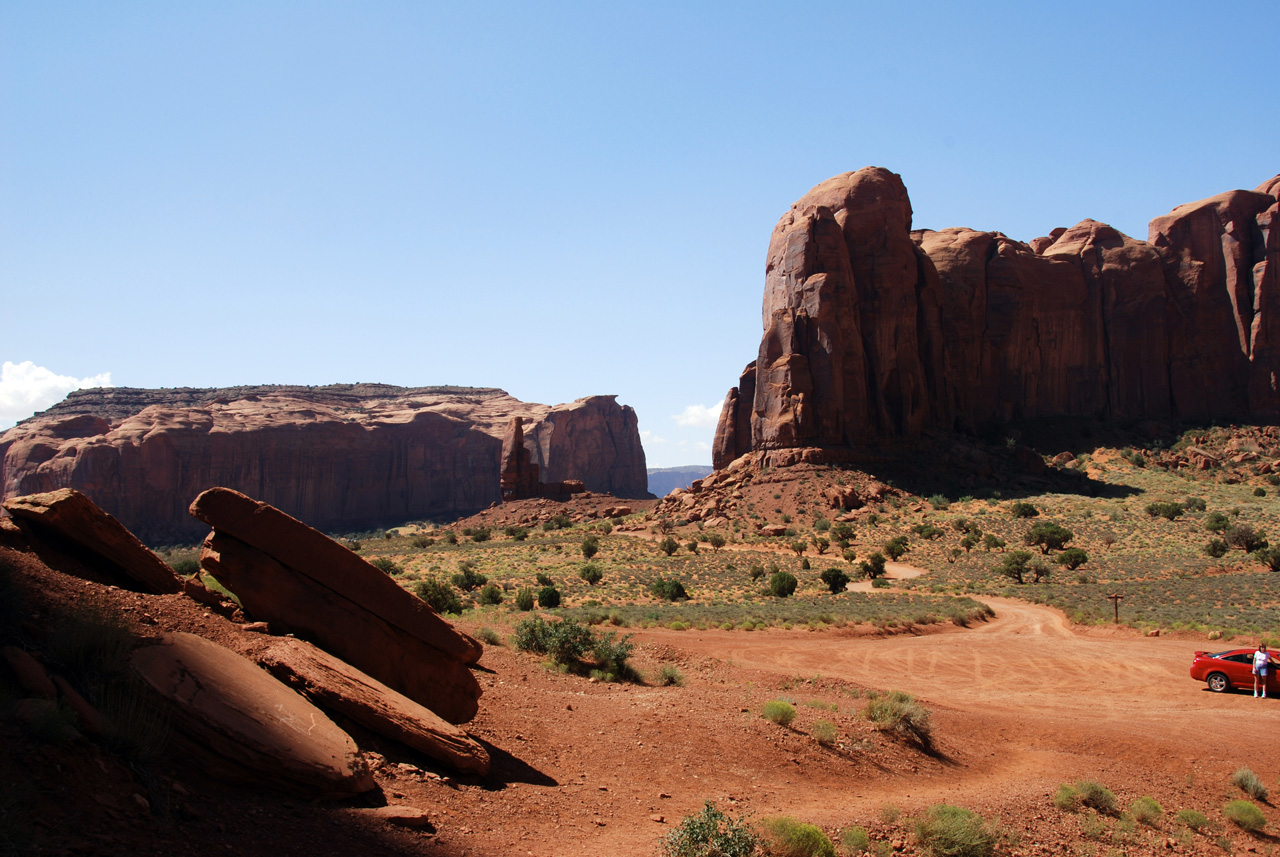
(591, 573)
(491, 593)
(1245, 815)
(711, 833)
(1193, 819)
(488, 636)
(952, 831)
(780, 712)
(1067, 798)
(1247, 781)
(668, 589)
(524, 599)
(787, 837)
(1097, 796)
(1146, 810)
(468, 578)
(854, 840)
(899, 712)
(782, 584)
(576, 646)
(439, 595)
(670, 676)
(824, 732)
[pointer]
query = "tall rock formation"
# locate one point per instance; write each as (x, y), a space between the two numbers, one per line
(874, 331)
(342, 457)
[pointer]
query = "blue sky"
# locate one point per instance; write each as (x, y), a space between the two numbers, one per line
(559, 199)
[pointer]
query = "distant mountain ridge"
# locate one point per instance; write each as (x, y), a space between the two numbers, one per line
(664, 480)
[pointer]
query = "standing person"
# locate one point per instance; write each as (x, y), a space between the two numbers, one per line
(1261, 665)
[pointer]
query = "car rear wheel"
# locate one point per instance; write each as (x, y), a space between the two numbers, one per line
(1218, 682)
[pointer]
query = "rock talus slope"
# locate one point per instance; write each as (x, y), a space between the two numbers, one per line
(341, 457)
(872, 330)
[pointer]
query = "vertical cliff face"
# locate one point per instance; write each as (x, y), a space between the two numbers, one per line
(873, 331)
(340, 458)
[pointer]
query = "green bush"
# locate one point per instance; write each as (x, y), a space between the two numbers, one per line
(590, 546)
(668, 589)
(854, 840)
(952, 831)
(1146, 810)
(1245, 537)
(1247, 781)
(576, 646)
(670, 676)
(1097, 796)
(782, 584)
(1023, 510)
(896, 547)
(1245, 815)
(1067, 798)
(1014, 565)
(1168, 511)
(835, 579)
(1259, 492)
(548, 597)
(481, 534)
(824, 732)
(1217, 522)
(524, 599)
(780, 712)
(1194, 819)
(755, 572)
(488, 636)
(557, 521)
(544, 579)
(491, 593)
(468, 578)
(873, 566)
(1216, 548)
(384, 565)
(439, 595)
(940, 502)
(899, 712)
(517, 533)
(711, 833)
(591, 573)
(422, 542)
(668, 546)
(1270, 557)
(186, 567)
(790, 838)
(1072, 558)
(992, 542)
(1048, 536)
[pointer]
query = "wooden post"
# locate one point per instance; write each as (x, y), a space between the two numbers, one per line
(1115, 602)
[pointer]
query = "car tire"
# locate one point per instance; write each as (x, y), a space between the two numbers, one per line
(1218, 683)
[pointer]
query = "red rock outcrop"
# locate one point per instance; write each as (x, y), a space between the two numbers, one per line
(520, 475)
(873, 331)
(289, 574)
(344, 457)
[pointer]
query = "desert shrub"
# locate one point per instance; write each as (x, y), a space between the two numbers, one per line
(1194, 504)
(524, 599)
(670, 676)
(804, 564)
(450, 537)
(824, 732)
(1097, 796)
(517, 533)
(384, 565)
(1216, 548)
(711, 833)
(1166, 510)
(779, 711)
(481, 534)
(468, 578)
(841, 531)
(1259, 492)
(605, 527)
(798, 547)
(558, 521)
(1194, 819)
(854, 840)
(896, 547)
(591, 573)
(1023, 510)
(1247, 781)
(1270, 557)
(691, 546)
(1067, 798)
(952, 831)
(879, 583)
(835, 579)
(716, 541)
(439, 595)
(1048, 536)
(940, 502)
(927, 531)
(544, 579)
(1244, 537)
(491, 593)
(590, 546)
(1146, 810)
(873, 566)
(899, 712)
(548, 597)
(1072, 558)
(782, 584)
(992, 542)
(1014, 565)
(488, 636)
(422, 542)
(1245, 815)
(668, 546)
(787, 837)
(186, 567)
(820, 545)
(668, 589)
(576, 646)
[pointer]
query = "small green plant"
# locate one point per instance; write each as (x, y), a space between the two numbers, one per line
(439, 595)
(1023, 510)
(824, 732)
(835, 579)
(490, 594)
(711, 833)
(992, 542)
(1193, 819)
(1072, 558)
(1259, 492)
(899, 712)
(544, 579)
(1216, 522)
(1146, 810)
(873, 566)
(670, 676)
(590, 546)
(896, 547)
(1048, 536)
(940, 502)
(1244, 537)
(952, 831)
(890, 813)
(782, 584)
(756, 571)
(668, 589)
(1097, 796)
(1247, 781)
(1245, 815)
(488, 636)
(1216, 548)
(716, 541)
(1067, 798)
(1166, 510)
(548, 597)
(780, 712)
(519, 534)
(854, 840)
(524, 599)
(591, 573)
(790, 838)
(468, 578)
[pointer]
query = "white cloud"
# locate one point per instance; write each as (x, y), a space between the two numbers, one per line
(26, 388)
(647, 437)
(699, 416)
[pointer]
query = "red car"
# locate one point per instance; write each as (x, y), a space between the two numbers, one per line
(1231, 670)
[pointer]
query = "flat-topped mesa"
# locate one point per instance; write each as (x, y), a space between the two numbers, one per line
(873, 331)
(343, 457)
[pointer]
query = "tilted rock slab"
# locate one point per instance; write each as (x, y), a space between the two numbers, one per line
(244, 723)
(288, 573)
(875, 331)
(342, 457)
(337, 686)
(69, 516)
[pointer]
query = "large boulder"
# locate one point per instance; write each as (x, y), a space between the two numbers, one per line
(339, 687)
(288, 573)
(68, 520)
(246, 725)
(343, 457)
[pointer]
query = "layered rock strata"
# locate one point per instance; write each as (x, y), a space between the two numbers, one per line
(875, 331)
(344, 457)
